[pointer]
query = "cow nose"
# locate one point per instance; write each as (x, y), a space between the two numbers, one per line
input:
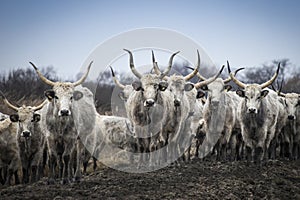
(64, 113)
(26, 134)
(149, 103)
(291, 117)
(176, 102)
(252, 110)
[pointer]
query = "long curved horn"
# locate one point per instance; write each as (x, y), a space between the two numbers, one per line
(236, 81)
(117, 82)
(162, 75)
(39, 107)
(195, 71)
(269, 82)
(235, 72)
(7, 102)
(209, 80)
(202, 78)
(42, 77)
(82, 79)
(134, 71)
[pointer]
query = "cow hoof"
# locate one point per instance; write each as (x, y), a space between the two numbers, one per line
(65, 181)
(51, 181)
(76, 179)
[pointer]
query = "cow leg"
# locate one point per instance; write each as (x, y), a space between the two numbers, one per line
(79, 148)
(17, 180)
(25, 175)
(9, 176)
(94, 164)
(65, 177)
(249, 154)
(52, 164)
(1, 176)
(258, 155)
(295, 151)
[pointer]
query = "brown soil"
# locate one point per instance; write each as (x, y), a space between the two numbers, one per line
(195, 180)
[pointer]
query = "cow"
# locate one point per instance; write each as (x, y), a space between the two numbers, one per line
(31, 140)
(219, 115)
(258, 113)
(149, 108)
(290, 133)
(9, 156)
(187, 109)
(58, 119)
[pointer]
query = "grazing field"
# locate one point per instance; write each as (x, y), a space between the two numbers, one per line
(195, 180)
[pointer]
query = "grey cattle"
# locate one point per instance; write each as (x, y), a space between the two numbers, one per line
(187, 111)
(258, 112)
(149, 107)
(60, 126)
(219, 115)
(9, 156)
(290, 134)
(31, 140)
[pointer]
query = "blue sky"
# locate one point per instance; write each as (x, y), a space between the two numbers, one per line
(63, 33)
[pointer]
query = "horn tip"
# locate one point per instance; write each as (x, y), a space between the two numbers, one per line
(33, 65)
(228, 67)
(112, 71)
(153, 57)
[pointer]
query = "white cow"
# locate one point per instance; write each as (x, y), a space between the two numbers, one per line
(31, 140)
(62, 126)
(9, 156)
(258, 113)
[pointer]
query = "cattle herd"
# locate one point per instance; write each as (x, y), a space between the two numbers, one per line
(164, 113)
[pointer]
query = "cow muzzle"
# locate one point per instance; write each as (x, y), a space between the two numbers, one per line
(26, 134)
(252, 110)
(64, 112)
(176, 102)
(149, 103)
(291, 117)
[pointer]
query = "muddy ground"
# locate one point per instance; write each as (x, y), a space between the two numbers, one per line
(196, 180)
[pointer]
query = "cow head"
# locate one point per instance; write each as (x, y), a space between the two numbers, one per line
(253, 93)
(26, 117)
(291, 102)
(63, 93)
(149, 84)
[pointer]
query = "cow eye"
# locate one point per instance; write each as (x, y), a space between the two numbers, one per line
(71, 98)
(286, 103)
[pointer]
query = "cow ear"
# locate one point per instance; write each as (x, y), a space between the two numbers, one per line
(264, 93)
(14, 118)
(122, 96)
(227, 87)
(188, 87)
(200, 94)
(36, 117)
(241, 93)
(204, 87)
(77, 95)
(163, 85)
(50, 94)
(137, 85)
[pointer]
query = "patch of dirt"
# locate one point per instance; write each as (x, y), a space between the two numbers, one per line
(195, 180)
